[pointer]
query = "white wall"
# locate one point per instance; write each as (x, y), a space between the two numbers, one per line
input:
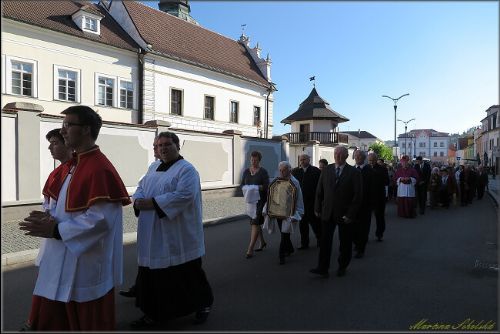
(48, 48)
(9, 174)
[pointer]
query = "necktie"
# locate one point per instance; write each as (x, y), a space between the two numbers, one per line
(337, 173)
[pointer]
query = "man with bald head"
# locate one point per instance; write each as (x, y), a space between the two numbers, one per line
(338, 200)
(308, 177)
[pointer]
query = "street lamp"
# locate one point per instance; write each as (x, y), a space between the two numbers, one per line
(406, 124)
(395, 108)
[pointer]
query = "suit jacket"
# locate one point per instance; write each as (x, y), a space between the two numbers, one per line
(380, 180)
(337, 199)
(308, 183)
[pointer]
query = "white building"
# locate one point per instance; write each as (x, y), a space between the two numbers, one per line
(62, 53)
(194, 78)
(487, 137)
(427, 143)
(361, 139)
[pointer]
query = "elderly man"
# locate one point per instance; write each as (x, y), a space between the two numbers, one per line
(308, 177)
(82, 258)
(338, 200)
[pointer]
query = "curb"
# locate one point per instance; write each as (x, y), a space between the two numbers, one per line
(27, 257)
(493, 197)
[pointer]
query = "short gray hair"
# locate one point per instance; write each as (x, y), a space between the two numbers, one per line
(283, 164)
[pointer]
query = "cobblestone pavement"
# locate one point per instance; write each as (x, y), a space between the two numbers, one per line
(13, 239)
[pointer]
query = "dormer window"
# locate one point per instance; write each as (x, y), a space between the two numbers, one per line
(90, 24)
(88, 19)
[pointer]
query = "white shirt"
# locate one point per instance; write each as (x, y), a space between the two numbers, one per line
(88, 261)
(178, 237)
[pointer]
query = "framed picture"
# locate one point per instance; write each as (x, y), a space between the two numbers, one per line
(281, 199)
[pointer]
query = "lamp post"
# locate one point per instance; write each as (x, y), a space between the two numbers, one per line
(406, 125)
(395, 109)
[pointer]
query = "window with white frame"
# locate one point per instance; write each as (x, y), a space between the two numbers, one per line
(441, 144)
(176, 102)
(126, 94)
(90, 23)
(435, 154)
(22, 78)
(421, 144)
(209, 107)
(441, 154)
(105, 91)
(67, 85)
(233, 112)
(435, 144)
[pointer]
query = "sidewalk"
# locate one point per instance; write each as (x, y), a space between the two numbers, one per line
(18, 248)
(493, 186)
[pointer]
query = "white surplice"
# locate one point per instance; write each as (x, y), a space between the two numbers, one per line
(88, 261)
(178, 237)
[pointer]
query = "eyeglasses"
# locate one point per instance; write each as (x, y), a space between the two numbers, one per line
(70, 124)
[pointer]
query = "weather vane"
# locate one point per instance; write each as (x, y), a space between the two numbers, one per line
(243, 29)
(313, 79)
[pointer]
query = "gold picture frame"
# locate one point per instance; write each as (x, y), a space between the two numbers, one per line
(281, 199)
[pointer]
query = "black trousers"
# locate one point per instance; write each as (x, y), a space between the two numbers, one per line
(173, 292)
(286, 246)
(480, 191)
(362, 229)
(379, 211)
(444, 197)
(309, 219)
(421, 192)
(345, 249)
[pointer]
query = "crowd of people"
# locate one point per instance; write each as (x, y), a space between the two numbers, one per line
(81, 222)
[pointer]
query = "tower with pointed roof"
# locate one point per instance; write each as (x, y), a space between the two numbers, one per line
(179, 8)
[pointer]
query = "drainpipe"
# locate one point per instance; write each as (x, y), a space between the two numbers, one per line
(270, 89)
(140, 96)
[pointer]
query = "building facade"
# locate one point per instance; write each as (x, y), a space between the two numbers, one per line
(487, 137)
(427, 143)
(62, 53)
(361, 139)
(194, 78)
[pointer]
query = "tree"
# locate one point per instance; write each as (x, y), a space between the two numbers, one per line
(383, 151)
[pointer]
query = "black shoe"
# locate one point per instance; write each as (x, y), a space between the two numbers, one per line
(201, 315)
(144, 322)
(322, 273)
(303, 247)
(130, 293)
(380, 239)
(341, 272)
(248, 256)
(359, 255)
(282, 260)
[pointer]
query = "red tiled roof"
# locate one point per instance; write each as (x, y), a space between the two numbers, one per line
(188, 42)
(56, 15)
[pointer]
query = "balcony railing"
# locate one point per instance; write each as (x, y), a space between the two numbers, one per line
(322, 137)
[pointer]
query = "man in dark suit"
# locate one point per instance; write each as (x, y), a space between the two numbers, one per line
(378, 193)
(308, 177)
(338, 199)
(363, 220)
(424, 174)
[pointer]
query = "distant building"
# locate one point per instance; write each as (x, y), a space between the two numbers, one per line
(361, 139)
(427, 143)
(487, 137)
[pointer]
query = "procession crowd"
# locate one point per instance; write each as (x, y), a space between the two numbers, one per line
(81, 257)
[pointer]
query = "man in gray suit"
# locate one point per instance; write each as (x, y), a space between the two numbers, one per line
(338, 200)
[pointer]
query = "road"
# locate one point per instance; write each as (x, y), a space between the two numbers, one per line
(434, 267)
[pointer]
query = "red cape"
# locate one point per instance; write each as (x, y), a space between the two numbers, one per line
(56, 179)
(94, 179)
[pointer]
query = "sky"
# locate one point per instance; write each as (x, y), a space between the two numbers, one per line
(444, 54)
